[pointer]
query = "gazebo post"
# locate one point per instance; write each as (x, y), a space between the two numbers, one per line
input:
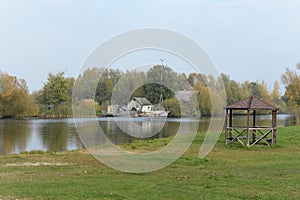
(274, 126)
(226, 124)
(254, 124)
(230, 118)
(230, 123)
(247, 129)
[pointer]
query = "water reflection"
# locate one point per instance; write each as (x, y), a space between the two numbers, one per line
(54, 137)
(61, 134)
(119, 131)
(17, 133)
(26, 135)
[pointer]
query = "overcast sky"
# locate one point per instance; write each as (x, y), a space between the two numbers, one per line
(247, 39)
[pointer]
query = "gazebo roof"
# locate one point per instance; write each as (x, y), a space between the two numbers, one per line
(253, 103)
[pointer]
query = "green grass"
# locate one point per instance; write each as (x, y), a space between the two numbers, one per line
(228, 172)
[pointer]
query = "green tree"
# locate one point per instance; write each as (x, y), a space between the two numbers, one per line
(152, 92)
(173, 106)
(97, 83)
(55, 96)
(56, 90)
(129, 84)
(232, 89)
(163, 80)
(255, 89)
(104, 90)
(106, 84)
(86, 83)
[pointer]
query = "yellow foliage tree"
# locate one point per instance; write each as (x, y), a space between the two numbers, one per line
(15, 99)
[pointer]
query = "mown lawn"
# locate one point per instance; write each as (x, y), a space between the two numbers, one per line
(228, 172)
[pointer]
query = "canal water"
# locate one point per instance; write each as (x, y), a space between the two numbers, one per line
(19, 135)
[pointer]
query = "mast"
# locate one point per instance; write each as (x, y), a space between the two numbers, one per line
(161, 78)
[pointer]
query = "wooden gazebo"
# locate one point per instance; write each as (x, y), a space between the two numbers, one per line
(250, 134)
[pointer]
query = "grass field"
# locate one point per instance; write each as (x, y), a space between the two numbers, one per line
(228, 172)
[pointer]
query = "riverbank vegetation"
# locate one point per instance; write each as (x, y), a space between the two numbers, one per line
(15, 99)
(55, 98)
(228, 172)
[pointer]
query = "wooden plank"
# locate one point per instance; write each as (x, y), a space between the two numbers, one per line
(260, 139)
(254, 118)
(236, 138)
(230, 118)
(226, 130)
(274, 125)
(247, 130)
(253, 125)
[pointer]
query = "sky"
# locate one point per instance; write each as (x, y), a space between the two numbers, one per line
(247, 39)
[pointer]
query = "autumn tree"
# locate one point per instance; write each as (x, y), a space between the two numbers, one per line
(15, 99)
(173, 106)
(291, 80)
(275, 95)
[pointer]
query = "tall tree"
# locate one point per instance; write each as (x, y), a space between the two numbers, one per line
(254, 89)
(86, 83)
(232, 89)
(276, 93)
(56, 90)
(291, 80)
(104, 90)
(163, 80)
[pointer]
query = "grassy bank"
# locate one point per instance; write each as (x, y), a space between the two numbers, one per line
(228, 172)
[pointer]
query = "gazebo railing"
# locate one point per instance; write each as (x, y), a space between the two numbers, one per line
(250, 136)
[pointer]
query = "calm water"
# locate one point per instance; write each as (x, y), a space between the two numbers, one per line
(60, 134)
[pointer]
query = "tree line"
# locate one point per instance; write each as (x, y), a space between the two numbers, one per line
(98, 87)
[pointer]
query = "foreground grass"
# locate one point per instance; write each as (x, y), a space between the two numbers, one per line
(228, 172)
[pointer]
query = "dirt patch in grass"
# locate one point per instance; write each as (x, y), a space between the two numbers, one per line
(10, 174)
(12, 198)
(31, 164)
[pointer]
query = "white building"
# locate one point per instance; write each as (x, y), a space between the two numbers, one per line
(139, 104)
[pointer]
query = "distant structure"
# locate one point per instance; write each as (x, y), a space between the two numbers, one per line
(185, 96)
(250, 134)
(140, 104)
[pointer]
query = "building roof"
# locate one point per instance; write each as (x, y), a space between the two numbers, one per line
(253, 103)
(142, 101)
